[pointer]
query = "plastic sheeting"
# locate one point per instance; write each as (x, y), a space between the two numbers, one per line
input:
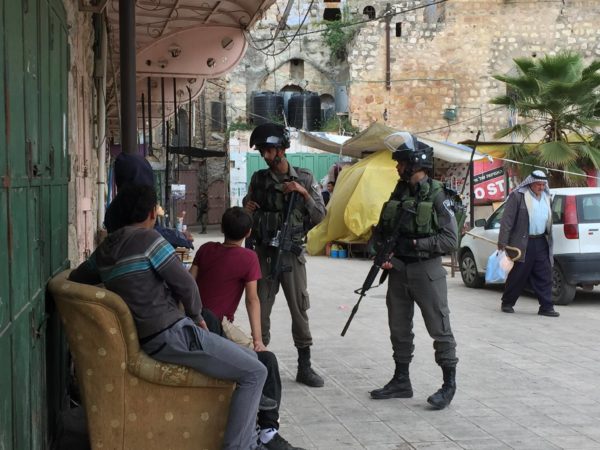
(354, 208)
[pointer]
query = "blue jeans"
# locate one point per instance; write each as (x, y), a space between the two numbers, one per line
(186, 344)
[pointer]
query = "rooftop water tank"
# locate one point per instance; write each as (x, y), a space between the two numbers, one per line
(341, 99)
(267, 106)
(304, 111)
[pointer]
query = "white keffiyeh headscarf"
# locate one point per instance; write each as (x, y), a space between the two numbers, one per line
(534, 177)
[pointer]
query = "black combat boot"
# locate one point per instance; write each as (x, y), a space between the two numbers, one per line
(398, 387)
(444, 396)
(306, 375)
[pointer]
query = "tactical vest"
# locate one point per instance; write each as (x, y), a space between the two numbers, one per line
(413, 213)
(268, 219)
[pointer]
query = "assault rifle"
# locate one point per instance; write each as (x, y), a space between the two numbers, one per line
(283, 242)
(383, 255)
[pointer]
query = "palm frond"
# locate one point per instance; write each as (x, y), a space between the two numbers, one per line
(502, 100)
(525, 158)
(558, 95)
(574, 93)
(589, 155)
(574, 175)
(556, 153)
(565, 66)
(592, 123)
(591, 69)
(524, 86)
(524, 64)
(521, 129)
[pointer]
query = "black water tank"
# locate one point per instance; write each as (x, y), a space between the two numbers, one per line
(267, 106)
(304, 111)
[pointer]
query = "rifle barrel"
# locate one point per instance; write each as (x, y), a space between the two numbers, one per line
(354, 310)
(365, 287)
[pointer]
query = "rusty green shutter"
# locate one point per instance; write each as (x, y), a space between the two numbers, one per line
(33, 214)
(5, 352)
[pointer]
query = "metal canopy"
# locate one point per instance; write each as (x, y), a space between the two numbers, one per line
(190, 40)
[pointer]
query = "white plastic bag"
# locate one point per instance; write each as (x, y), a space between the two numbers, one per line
(494, 272)
(506, 263)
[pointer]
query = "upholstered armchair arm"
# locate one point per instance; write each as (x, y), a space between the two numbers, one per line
(146, 368)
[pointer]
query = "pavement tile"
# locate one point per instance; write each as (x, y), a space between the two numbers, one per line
(529, 443)
(418, 433)
(574, 442)
(370, 433)
(483, 444)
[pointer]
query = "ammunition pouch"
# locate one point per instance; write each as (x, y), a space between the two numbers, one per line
(425, 219)
(266, 227)
(390, 214)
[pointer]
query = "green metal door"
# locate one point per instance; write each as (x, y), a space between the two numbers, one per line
(317, 163)
(33, 208)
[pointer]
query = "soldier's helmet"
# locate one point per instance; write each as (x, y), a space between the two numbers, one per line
(270, 135)
(405, 147)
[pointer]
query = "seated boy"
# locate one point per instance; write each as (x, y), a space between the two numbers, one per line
(223, 272)
(138, 264)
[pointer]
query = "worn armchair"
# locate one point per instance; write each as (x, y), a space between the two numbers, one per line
(132, 401)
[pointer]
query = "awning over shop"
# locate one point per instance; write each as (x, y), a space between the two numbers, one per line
(372, 140)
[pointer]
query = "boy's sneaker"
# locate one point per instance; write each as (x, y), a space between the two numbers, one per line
(279, 443)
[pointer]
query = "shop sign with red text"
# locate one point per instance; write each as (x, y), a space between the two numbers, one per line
(488, 181)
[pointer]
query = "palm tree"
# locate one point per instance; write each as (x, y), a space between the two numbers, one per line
(559, 99)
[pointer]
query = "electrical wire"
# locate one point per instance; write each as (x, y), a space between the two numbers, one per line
(280, 26)
(460, 121)
(251, 41)
(537, 166)
(359, 22)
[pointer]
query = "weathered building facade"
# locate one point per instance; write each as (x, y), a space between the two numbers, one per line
(426, 66)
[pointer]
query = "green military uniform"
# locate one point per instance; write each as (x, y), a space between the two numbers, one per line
(418, 276)
(266, 189)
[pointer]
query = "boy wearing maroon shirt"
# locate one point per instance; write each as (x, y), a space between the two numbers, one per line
(223, 272)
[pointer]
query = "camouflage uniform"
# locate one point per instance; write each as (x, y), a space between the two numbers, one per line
(266, 189)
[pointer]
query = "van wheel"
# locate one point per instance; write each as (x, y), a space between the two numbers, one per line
(468, 271)
(563, 293)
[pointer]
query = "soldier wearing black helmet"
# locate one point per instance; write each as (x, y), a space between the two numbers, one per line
(267, 199)
(427, 231)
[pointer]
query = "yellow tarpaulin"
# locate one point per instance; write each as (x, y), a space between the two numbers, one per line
(360, 192)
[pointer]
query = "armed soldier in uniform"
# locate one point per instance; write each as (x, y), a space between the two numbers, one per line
(420, 212)
(269, 196)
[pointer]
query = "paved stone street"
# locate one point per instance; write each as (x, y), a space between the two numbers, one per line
(524, 381)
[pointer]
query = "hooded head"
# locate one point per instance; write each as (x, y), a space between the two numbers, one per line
(133, 169)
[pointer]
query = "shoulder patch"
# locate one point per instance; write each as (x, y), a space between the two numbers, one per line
(449, 206)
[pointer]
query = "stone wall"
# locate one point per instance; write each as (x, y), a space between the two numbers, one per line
(446, 59)
(272, 67)
(82, 213)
